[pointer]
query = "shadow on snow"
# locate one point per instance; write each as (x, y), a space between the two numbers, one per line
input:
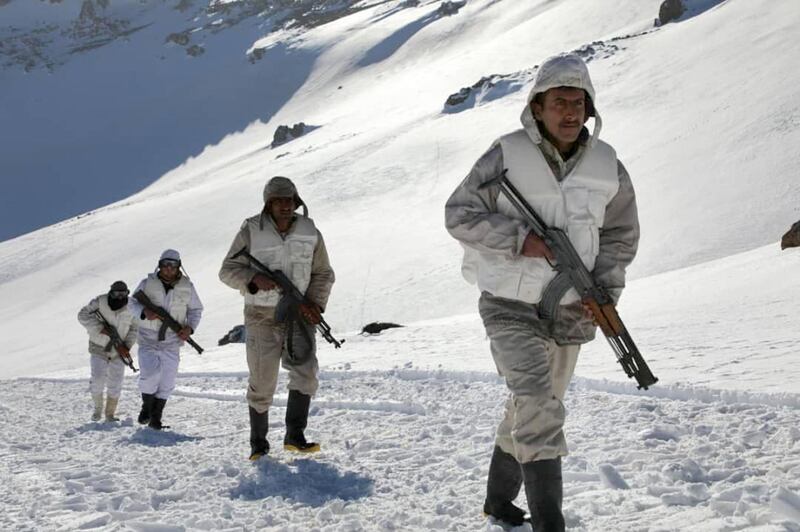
(158, 438)
(305, 481)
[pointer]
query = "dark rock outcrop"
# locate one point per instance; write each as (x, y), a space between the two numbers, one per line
(792, 237)
(670, 10)
(376, 327)
(448, 8)
(195, 50)
(284, 134)
(181, 39)
(237, 335)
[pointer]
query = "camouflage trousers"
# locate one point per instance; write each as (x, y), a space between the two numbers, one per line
(266, 352)
(537, 372)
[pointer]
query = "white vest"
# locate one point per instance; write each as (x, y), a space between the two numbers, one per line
(120, 319)
(292, 255)
(176, 301)
(577, 205)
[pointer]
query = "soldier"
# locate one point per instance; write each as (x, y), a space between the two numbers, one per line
(290, 242)
(108, 310)
(575, 182)
(169, 288)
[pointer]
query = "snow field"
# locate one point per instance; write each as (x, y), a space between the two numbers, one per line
(636, 463)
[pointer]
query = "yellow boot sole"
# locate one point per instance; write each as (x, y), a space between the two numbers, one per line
(313, 449)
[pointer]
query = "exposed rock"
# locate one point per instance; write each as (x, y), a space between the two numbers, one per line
(670, 10)
(450, 8)
(486, 89)
(284, 134)
(237, 335)
(195, 50)
(87, 14)
(410, 3)
(181, 39)
(183, 5)
(4, 2)
(256, 54)
(596, 50)
(376, 327)
(103, 3)
(792, 237)
(496, 86)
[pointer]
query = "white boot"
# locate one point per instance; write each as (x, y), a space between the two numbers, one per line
(98, 407)
(111, 408)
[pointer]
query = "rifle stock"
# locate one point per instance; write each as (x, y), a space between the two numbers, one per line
(574, 274)
(289, 290)
(167, 320)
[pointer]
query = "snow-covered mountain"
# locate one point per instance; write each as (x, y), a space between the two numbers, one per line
(703, 112)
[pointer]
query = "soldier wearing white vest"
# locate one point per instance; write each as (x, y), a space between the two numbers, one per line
(575, 182)
(107, 367)
(282, 240)
(169, 288)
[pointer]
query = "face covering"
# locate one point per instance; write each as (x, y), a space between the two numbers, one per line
(117, 303)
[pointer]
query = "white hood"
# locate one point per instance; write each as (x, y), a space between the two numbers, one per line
(564, 70)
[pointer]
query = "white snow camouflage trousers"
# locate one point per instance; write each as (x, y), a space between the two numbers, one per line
(537, 372)
(265, 352)
(158, 370)
(106, 373)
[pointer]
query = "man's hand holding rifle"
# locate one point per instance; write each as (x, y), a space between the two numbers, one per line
(267, 279)
(554, 245)
(116, 342)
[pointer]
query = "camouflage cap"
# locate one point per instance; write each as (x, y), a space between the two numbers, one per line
(279, 187)
(282, 187)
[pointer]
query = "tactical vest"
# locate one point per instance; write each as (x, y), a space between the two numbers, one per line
(577, 204)
(176, 301)
(292, 255)
(120, 319)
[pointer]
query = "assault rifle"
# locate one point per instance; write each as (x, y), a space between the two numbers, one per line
(572, 273)
(116, 342)
(289, 290)
(166, 319)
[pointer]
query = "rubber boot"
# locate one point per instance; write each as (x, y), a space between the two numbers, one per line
(148, 400)
(111, 408)
(544, 488)
(502, 487)
(296, 420)
(259, 423)
(98, 407)
(156, 413)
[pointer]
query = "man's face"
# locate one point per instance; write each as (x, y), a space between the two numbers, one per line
(563, 113)
(168, 269)
(282, 209)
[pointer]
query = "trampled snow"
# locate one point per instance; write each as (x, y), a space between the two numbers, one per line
(703, 113)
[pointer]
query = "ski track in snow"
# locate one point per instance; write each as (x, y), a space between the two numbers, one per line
(636, 463)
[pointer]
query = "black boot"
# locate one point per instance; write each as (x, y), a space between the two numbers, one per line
(502, 487)
(148, 400)
(155, 415)
(259, 423)
(296, 420)
(543, 486)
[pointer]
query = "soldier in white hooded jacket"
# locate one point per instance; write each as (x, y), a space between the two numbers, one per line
(107, 367)
(169, 288)
(575, 182)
